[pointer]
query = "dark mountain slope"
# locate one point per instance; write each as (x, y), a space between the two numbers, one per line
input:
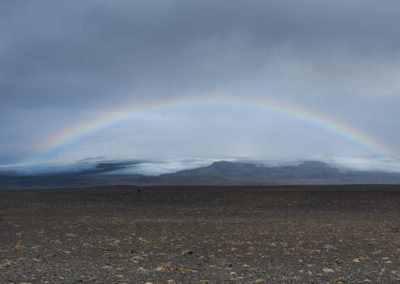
(218, 173)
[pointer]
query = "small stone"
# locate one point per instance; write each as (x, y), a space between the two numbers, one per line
(161, 269)
(330, 247)
(367, 280)
(189, 271)
(169, 281)
(6, 263)
(224, 262)
(143, 270)
(328, 270)
(245, 266)
(19, 247)
(137, 258)
(187, 252)
(258, 281)
(356, 260)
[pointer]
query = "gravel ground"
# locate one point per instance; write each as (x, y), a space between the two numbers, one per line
(200, 235)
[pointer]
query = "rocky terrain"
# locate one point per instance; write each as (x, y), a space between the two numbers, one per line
(316, 234)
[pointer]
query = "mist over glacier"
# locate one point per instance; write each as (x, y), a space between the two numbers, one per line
(157, 167)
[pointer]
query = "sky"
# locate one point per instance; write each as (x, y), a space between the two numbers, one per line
(68, 65)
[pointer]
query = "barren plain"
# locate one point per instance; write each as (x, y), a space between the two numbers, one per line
(303, 234)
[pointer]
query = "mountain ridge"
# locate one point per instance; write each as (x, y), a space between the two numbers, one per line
(218, 173)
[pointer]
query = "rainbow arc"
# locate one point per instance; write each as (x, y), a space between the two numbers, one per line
(112, 118)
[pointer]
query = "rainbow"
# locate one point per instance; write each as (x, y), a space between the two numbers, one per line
(77, 132)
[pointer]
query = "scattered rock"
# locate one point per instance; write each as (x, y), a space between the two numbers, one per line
(137, 258)
(169, 282)
(143, 270)
(356, 260)
(19, 247)
(330, 247)
(161, 269)
(189, 270)
(6, 263)
(328, 270)
(224, 262)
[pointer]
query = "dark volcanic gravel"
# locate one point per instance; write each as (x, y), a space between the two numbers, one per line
(201, 235)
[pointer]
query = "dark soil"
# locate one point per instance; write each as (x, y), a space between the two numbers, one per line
(201, 235)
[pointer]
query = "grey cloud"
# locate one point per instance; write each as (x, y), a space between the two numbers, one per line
(70, 53)
(60, 60)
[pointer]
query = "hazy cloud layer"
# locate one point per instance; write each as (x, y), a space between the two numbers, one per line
(62, 61)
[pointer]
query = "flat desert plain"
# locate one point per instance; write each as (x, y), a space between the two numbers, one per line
(304, 234)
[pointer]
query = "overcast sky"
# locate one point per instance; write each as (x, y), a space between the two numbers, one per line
(64, 62)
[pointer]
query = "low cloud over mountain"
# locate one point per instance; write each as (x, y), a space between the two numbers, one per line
(218, 173)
